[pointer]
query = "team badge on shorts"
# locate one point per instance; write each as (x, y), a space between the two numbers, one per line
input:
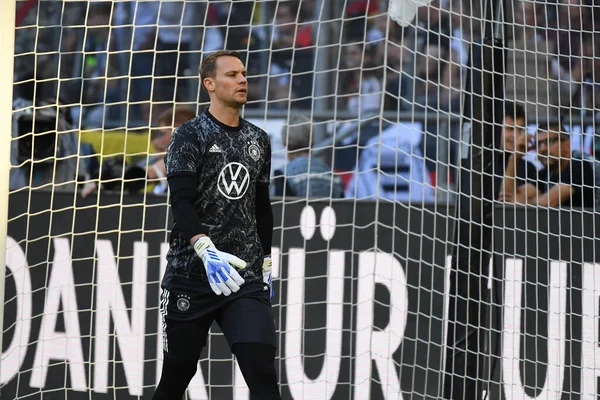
(183, 302)
(254, 151)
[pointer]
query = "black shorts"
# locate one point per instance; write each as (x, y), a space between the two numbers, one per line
(244, 317)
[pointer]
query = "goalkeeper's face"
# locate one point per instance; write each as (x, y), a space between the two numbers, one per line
(230, 84)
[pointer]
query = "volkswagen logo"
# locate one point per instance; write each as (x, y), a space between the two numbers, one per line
(234, 180)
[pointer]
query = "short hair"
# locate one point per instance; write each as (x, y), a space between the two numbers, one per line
(208, 68)
(552, 126)
(514, 110)
(174, 117)
(297, 133)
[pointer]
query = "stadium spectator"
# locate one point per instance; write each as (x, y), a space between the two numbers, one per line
(100, 89)
(287, 32)
(136, 35)
(565, 181)
(155, 165)
(308, 12)
(361, 92)
(532, 74)
(568, 31)
(430, 67)
(399, 71)
(356, 18)
(361, 80)
(514, 165)
(432, 25)
(50, 159)
(176, 32)
(586, 81)
(304, 175)
(392, 167)
(152, 169)
(466, 26)
(436, 94)
(292, 56)
(235, 18)
(438, 80)
(214, 37)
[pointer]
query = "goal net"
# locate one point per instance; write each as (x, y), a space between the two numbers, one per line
(404, 148)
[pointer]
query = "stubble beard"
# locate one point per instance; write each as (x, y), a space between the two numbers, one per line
(232, 102)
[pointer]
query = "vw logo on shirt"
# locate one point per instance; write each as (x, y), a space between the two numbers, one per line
(234, 180)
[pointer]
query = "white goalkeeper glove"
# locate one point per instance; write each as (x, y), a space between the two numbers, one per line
(222, 276)
(267, 268)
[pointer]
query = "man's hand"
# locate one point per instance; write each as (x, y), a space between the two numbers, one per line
(267, 268)
(88, 188)
(222, 276)
(522, 145)
(508, 197)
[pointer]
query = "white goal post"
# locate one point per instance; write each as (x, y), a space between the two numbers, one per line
(7, 46)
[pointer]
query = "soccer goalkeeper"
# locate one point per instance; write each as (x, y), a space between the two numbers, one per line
(219, 264)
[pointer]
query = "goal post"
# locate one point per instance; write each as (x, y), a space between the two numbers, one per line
(470, 302)
(7, 47)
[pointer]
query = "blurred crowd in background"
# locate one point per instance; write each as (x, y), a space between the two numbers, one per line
(371, 106)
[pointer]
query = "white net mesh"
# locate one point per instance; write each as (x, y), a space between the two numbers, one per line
(365, 222)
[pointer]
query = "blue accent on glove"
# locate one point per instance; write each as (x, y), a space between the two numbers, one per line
(220, 267)
(267, 274)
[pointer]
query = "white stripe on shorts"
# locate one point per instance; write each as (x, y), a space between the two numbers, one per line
(164, 302)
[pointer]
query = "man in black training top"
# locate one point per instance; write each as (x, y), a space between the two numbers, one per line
(565, 181)
(219, 264)
(516, 167)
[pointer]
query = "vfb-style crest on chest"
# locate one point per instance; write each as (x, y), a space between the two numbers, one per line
(254, 150)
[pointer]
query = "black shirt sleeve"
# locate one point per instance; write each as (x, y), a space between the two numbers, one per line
(183, 194)
(264, 217)
(589, 184)
(579, 175)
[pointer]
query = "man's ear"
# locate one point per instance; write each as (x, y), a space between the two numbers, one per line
(209, 84)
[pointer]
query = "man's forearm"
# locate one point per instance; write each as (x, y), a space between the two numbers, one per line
(556, 196)
(509, 183)
(156, 170)
(182, 200)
